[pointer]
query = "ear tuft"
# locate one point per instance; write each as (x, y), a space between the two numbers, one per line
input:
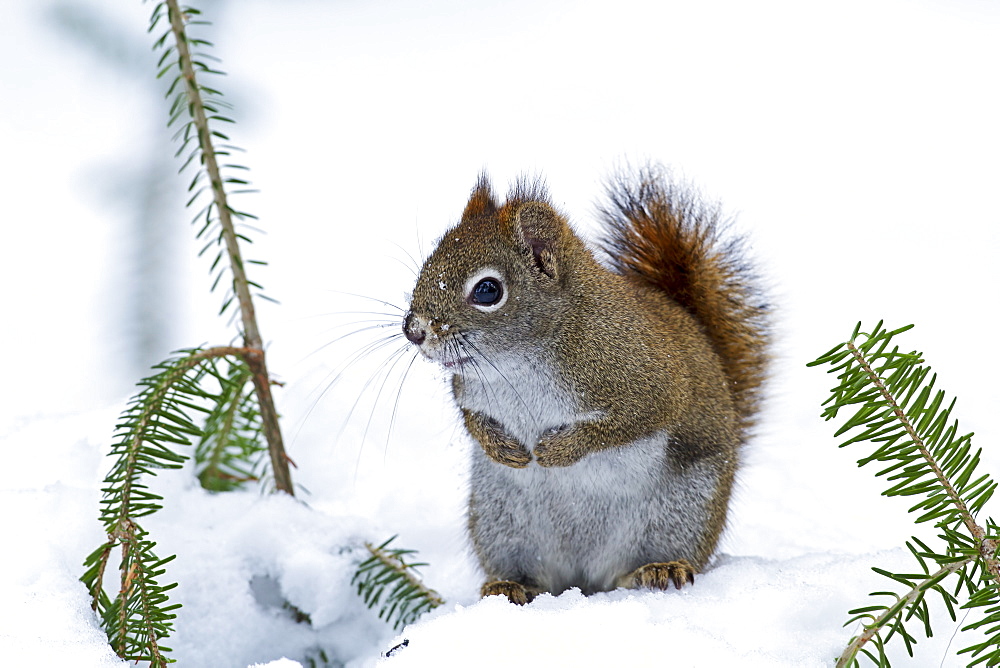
(482, 202)
(542, 230)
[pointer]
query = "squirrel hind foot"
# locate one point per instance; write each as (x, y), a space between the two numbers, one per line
(660, 575)
(515, 592)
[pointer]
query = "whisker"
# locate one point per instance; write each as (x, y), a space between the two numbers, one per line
(517, 394)
(387, 315)
(477, 368)
(385, 370)
(395, 405)
(342, 313)
(374, 299)
(338, 372)
(414, 268)
(362, 326)
(335, 314)
(420, 241)
(366, 328)
(366, 350)
(395, 357)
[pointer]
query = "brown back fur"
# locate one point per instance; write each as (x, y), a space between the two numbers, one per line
(664, 236)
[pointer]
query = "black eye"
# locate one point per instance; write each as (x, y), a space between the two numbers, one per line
(487, 292)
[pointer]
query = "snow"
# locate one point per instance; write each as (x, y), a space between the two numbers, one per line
(786, 625)
(854, 142)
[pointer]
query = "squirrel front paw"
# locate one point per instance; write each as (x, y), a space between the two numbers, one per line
(507, 451)
(559, 448)
(495, 442)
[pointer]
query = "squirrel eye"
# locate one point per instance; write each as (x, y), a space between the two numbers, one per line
(487, 292)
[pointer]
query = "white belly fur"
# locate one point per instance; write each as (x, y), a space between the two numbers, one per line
(584, 525)
(588, 524)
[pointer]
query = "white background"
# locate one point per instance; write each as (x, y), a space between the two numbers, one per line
(855, 143)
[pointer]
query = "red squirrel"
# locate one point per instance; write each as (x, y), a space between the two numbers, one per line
(609, 400)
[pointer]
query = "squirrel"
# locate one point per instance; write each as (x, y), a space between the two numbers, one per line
(610, 400)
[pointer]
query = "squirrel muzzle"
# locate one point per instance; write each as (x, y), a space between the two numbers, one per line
(414, 329)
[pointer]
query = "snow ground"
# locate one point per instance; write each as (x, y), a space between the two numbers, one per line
(856, 143)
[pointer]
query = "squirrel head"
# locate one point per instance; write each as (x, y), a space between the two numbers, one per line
(497, 282)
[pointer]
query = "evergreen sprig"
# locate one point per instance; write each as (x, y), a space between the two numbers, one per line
(896, 408)
(388, 581)
(157, 419)
(229, 452)
(198, 110)
(155, 422)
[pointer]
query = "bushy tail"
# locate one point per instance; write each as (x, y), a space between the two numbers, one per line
(664, 235)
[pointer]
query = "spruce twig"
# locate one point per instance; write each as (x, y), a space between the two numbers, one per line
(387, 573)
(156, 419)
(987, 547)
(897, 409)
(909, 600)
(229, 451)
(208, 157)
(139, 616)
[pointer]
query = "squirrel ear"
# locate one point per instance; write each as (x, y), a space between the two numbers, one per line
(541, 228)
(482, 201)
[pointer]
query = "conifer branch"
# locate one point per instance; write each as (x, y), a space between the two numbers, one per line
(386, 573)
(897, 409)
(139, 610)
(139, 615)
(908, 601)
(156, 420)
(207, 153)
(229, 452)
(987, 547)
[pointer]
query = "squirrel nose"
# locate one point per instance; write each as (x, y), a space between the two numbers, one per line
(413, 329)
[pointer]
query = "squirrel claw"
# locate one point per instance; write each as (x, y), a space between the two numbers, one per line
(515, 592)
(661, 575)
